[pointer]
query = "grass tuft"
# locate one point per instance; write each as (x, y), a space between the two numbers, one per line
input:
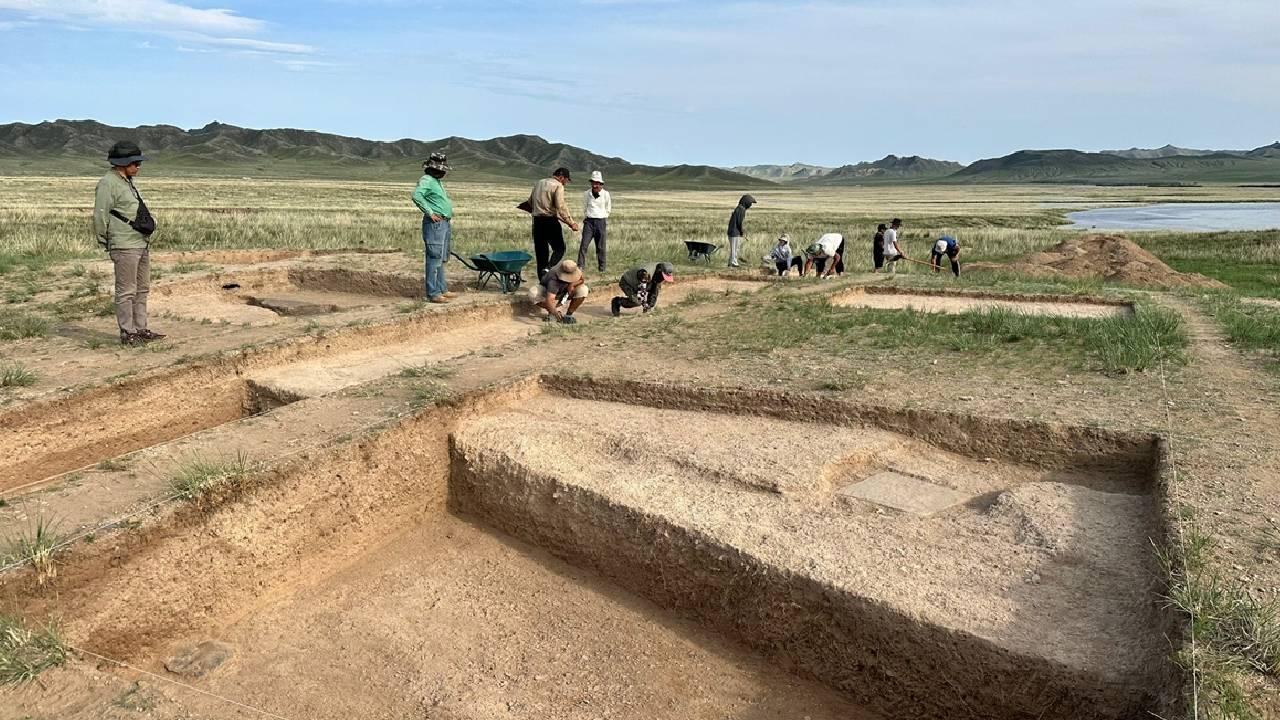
(15, 375)
(36, 549)
(200, 477)
(19, 324)
(27, 652)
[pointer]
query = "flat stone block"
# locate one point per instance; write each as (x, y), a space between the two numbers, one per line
(905, 493)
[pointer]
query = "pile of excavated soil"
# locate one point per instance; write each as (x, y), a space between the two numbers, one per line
(1110, 257)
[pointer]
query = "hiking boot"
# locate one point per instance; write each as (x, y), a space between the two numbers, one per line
(616, 307)
(439, 300)
(131, 340)
(149, 336)
(449, 295)
(569, 320)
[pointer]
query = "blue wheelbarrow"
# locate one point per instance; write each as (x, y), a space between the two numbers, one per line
(504, 266)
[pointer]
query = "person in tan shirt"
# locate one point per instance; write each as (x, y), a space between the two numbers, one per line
(546, 204)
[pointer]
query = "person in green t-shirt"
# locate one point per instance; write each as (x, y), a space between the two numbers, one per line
(437, 235)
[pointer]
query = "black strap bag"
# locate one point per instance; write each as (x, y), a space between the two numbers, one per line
(143, 222)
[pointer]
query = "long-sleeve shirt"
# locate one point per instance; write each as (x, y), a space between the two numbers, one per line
(597, 207)
(431, 198)
(547, 200)
(116, 193)
(781, 253)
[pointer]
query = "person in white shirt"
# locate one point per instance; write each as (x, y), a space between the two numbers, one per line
(892, 251)
(596, 206)
(826, 252)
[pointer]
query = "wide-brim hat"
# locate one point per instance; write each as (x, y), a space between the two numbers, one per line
(437, 161)
(567, 271)
(597, 177)
(125, 153)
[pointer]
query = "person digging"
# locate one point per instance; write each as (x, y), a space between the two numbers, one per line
(640, 287)
(563, 283)
(826, 253)
(946, 245)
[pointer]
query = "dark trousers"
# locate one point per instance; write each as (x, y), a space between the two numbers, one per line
(935, 259)
(593, 230)
(548, 243)
(785, 267)
(877, 254)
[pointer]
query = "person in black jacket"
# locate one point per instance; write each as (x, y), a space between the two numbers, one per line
(736, 233)
(640, 287)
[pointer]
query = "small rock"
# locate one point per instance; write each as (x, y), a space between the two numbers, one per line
(200, 660)
(966, 397)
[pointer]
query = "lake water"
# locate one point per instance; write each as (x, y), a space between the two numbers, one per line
(1191, 217)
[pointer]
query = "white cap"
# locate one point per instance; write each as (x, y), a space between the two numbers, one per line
(596, 176)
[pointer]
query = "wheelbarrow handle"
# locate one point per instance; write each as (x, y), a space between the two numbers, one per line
(464, 262)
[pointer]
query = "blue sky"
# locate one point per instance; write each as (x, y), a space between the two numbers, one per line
(667, 81)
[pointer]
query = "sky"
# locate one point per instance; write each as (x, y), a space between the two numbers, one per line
(667, 81)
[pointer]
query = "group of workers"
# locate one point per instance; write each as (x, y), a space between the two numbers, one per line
(123, 225)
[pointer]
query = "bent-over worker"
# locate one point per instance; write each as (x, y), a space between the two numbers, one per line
(562, 283)
(640, 287)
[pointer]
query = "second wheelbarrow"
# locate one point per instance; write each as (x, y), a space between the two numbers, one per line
(504, 266)
(700, 250)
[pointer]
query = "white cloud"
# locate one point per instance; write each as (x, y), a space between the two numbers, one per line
(151, 14)
(212, 27)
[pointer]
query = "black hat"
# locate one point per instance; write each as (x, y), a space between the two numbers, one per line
(895, 221)
(125, 153)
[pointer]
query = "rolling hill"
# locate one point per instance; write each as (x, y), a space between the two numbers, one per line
(1074, 166)
(782, 173)
(890, 168)
(79, 147)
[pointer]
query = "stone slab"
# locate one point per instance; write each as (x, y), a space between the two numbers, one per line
(293, 307)
(905, 493)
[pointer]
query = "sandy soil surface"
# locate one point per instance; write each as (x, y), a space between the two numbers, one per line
(956, 303)
(1041, 563)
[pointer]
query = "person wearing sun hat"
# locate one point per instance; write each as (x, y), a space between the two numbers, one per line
(596, 206)
(124, 225)
(437, 232)
(562, 283)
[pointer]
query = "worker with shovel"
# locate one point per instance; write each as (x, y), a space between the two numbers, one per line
(892, 251)
(946, 245)
(640, 287)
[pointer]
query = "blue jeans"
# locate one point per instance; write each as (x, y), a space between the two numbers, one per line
(437, 237)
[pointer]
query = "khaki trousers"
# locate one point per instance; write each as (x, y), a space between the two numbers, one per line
(133, 284)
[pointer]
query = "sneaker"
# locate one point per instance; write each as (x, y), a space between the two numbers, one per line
(616, 307)
(569, 320)
(439, 300)
(148, 335)
(449, 295)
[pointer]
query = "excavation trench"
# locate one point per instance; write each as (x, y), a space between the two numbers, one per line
(1023, 589)
(957, 302)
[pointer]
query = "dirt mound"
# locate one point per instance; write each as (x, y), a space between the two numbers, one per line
(1110, 257)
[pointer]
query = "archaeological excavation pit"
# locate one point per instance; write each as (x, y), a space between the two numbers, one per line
(886, 298)
(562, 547)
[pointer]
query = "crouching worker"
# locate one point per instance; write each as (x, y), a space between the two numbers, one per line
(562, 284)
(946, 245)
(782, 257)
(640, 287)
(826, 254)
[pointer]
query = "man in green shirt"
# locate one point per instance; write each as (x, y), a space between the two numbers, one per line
(437, 235)
(126, 235)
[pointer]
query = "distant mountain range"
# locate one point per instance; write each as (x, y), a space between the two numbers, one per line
(79, 147)
(1074, 166)
(890, 168)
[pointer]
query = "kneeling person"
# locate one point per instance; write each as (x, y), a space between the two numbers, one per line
(946, 245)
(640, 288)
(562, 283)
